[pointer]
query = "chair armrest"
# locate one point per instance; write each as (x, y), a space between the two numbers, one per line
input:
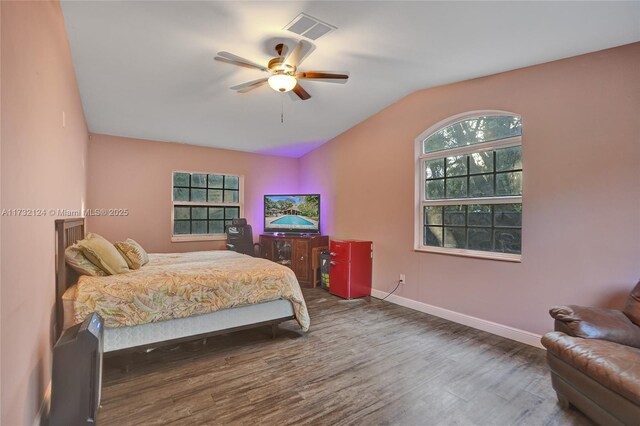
(596, 323)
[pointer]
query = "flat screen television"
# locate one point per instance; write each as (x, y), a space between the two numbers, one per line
(292, 213)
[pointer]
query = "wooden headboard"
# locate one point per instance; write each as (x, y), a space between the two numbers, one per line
(68, 231)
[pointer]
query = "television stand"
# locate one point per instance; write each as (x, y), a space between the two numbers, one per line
(294, 251)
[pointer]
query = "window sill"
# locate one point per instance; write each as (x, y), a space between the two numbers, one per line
(195, 237)
(505, 257)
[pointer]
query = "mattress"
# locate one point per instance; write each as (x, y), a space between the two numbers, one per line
(147, 334)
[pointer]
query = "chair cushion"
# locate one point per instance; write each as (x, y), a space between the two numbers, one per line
(632, 308)
(613, 365)
(597, 323)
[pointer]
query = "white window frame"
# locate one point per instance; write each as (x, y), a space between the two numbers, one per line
(205, 237)
(421, 202)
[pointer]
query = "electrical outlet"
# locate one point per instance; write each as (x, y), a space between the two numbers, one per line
(402, 279)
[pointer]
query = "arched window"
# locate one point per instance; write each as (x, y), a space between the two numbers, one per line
(469, 186)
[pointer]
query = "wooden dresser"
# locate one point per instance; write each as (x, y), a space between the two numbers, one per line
(293, 251)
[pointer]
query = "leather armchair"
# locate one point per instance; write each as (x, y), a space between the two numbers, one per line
(594, 357)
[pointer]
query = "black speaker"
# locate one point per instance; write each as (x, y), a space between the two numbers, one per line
(77, 374)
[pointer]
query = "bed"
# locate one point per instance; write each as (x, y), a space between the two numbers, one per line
(154, 322)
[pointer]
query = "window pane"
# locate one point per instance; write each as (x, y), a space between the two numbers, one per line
(216, 213)
(433, 236)
(434, 168)
(479, 239)
(199, 213)
(181, 213)
(181, 227)
(479, 215)
(507, 240)
(216, 227)
(198, 180)
(230, 196)
(435, 189)
(509, 159)
(481, 162)
(215, 195)
(457, 166)
(215, 181)
(457, 187)
(472, 131)
(481, 186)
(500, 127)
(198, 194)
(509, 183)
(433, 215)
(483, 227)
(180, 194)
(231, 212)
(435, 142)
(455, 237)
(455, 215)
(507, 215)
(231, 182)
(199, 226)
(227, 223)
(181, 179)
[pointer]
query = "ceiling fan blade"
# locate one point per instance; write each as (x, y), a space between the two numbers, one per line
(302, 94)
(328, 77)
(250, 85)
(241, 64)
(235, 59)
(299, 53)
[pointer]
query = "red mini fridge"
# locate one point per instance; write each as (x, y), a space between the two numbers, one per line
(350, 268)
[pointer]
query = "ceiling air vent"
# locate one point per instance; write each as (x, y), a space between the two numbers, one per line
(309, 27)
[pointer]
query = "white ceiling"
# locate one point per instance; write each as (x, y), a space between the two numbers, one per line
(145, 68)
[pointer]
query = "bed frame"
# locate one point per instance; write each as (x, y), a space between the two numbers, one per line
(69, 231)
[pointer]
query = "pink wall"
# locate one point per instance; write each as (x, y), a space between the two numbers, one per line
(43, 167)
(581, 225)
(136, 174)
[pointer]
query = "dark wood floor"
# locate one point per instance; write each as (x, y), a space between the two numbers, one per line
(363, 362)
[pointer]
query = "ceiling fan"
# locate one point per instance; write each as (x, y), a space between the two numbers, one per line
(284, 71)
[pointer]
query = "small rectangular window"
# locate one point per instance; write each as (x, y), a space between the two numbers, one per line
(204, 204)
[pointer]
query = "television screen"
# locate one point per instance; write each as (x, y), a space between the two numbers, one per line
(298, 214)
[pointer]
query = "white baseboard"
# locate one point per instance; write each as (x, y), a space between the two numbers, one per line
(43, 412)
(478, 323)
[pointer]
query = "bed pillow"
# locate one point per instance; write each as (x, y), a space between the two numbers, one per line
(133, 253)
(103, 254)
(79, 262)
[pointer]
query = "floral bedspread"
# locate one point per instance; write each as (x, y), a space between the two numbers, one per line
(178, 285)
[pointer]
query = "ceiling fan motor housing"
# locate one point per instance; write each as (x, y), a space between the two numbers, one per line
(277, 66)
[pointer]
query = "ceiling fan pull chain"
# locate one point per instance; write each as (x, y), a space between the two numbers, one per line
(282, 108)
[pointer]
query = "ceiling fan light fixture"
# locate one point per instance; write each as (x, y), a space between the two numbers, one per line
(282, 82)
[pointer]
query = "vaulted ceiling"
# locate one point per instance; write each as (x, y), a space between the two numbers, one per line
(146, 70)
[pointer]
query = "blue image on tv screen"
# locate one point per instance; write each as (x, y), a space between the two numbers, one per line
(292, 213)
